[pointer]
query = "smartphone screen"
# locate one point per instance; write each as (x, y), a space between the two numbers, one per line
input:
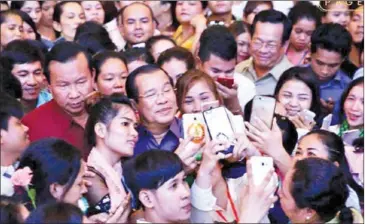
(263, 107)
(220, 127)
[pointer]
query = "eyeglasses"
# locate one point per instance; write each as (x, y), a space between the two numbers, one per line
(153, 94)
(256, 44)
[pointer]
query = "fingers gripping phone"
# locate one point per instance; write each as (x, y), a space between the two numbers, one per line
(263, 107)
(308, 116)
(349, 137)
(261, 166)
(226, 81)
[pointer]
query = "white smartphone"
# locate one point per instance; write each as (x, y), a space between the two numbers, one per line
(327, 122)
(194, 126)
(263, 107)
(308, 116)
(261, 165)
(209, 105)
(348, 137)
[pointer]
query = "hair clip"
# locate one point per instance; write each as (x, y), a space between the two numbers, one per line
(216, 22)
(140, 45)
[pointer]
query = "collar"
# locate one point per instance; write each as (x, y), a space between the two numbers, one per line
(61, 116)
(279, 68)
(275, 72)
(174, 128)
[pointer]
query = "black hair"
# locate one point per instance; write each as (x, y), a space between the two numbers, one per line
(175, 23)
(21, 52)
(345, 94)
(131, 86)
(63, 52)
(51, 161)
(58, 212)
(121, 12)
(150, 170)
(99, 59)
(94, 37)
(332, 37)
(111, 11)
(252, 5)
(302, 74)
(19, 4)
(354, 5)
(336, 153)
(6, 13)
(152, 41)
(319, 185)
(8, 83)
(26, 19)
(211, 43)
(360, 47)
(179, 53)
(10, 106)
(134, 54)
(305, 10)
(4, 2)
(104, 111)
(288, 129)
(10, 211)
(274, 17)
(239, 27)
(58, 10)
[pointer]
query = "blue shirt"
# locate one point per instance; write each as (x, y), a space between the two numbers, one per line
(334, 87)
(169, 142)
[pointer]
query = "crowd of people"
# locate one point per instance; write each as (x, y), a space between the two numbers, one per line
(96, 97)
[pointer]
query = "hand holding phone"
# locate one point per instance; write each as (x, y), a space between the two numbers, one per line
(349, 137)
(263, 107)
(209, 105)
(226, 81)
(261, 166)
(307, 116)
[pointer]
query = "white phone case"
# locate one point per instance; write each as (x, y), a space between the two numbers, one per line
(190, 119)
(261, 165)
(308, 116)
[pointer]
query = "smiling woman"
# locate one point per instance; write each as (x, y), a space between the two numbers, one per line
(352, 109)
(297, 91)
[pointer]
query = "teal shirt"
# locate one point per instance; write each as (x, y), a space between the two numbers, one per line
(44, 97)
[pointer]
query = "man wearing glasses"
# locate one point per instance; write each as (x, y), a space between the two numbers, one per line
(270, 33)
(153, 92)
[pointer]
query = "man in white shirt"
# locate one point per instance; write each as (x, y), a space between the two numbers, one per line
(14, 140)
(217, 57)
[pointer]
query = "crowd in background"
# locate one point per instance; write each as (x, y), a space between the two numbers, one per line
(95, 97)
